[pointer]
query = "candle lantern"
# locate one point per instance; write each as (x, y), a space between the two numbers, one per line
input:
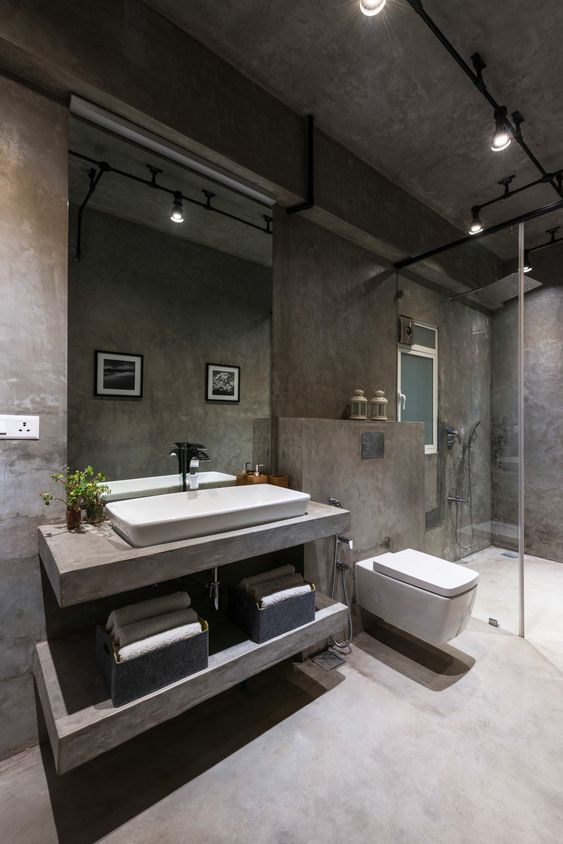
(358, 405)
(378, 406)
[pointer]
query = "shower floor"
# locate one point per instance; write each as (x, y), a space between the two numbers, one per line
(497, 597)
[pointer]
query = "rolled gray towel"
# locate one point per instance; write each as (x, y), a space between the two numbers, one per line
(270, 586)
(161, 640)
(248, 582)
(277, 597)
(147, 627)
(148, 609)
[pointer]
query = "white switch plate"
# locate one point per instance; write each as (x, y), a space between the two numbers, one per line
(19, 427)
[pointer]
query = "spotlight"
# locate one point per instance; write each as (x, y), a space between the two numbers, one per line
(372, 7)
(501, 135)
(527, 265)
(476, 225)
(177, 213)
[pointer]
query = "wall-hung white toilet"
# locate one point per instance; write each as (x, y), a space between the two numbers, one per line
(423, 595)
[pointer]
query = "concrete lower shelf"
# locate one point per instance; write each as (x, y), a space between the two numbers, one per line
(82, 722)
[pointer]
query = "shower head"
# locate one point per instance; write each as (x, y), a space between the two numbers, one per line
(472, 433)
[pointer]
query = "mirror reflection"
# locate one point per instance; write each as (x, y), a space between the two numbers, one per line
(170, 297)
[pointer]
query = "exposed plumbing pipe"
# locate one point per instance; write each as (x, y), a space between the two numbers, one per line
(310, 176)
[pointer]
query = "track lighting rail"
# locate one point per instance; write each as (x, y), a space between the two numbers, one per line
(557, 176)
(551, 242)
(476, 76)
(105, 167)
(471, 238)
(94, 178)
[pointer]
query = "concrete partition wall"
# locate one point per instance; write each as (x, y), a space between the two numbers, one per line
(335, 329)
(33, 319)
(383, 493)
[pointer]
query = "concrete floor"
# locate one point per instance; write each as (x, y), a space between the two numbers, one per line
(497, 597)
(405, 743)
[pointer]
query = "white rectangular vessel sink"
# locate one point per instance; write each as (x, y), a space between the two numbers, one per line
(185, 515)
(162, 484)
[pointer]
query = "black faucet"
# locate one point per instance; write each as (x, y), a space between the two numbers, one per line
(189, 456)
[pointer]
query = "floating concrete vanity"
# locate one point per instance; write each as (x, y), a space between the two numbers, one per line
(81, 721)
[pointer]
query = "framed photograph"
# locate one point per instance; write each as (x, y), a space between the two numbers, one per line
(222, 383)
(118, 374)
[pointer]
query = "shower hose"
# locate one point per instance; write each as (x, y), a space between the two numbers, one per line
(334, 643)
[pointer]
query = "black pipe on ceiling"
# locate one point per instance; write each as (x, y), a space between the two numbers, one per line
(152, 183)
(471, 238)
(508, 192)
(551, 242)
(310, 169)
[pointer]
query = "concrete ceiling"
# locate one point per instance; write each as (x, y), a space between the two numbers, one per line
(138, 203)
(387, 90)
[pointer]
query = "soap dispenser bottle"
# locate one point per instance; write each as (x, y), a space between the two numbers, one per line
(257, 477)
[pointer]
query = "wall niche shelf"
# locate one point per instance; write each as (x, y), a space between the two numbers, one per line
(81, 720)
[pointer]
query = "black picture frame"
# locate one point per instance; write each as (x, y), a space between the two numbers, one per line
(222, 383)
(118, 374)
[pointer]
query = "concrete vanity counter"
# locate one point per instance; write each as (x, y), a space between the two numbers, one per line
(95, 562)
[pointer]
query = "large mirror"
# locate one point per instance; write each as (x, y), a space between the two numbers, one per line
(169, 313)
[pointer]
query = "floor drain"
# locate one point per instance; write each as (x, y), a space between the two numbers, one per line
(328, 660)
(510, 554)
(494, 622)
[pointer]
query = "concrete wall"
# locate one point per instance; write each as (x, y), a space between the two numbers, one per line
(323, 457)
(543, 441)
(181, 305)
(33, 223)
(333, 321)
(334, 329)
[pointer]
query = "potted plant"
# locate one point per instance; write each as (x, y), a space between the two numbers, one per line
(82, 489)
(72, 485)
(93, 488)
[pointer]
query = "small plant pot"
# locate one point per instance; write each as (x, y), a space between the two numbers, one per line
(73, 518)
(95, 514)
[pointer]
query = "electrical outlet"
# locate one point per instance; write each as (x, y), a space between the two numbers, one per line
(19, 427)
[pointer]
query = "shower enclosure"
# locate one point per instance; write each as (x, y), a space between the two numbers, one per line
(494, 481)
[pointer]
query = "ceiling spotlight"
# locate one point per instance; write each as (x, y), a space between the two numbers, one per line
(476, 225)
(501, 135)
(372, 7)
(177, 213)
(527, 265)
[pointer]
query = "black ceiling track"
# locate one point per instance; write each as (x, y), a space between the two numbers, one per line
(476, 76)
(104, 167)
(553, 179)
(551, 242)
(310, 175)
(471, 238)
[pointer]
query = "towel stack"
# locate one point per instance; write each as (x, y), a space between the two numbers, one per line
(273, 586)
(149, 625)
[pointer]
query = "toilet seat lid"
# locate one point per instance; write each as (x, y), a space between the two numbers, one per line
(427, 572)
